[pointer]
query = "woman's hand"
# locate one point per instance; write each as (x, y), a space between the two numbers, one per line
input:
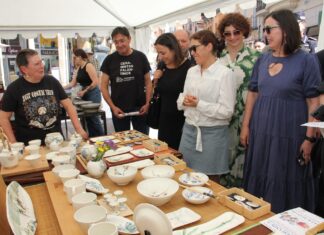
(81, 93)
(306, 148)
(190, 101)
(244, 136)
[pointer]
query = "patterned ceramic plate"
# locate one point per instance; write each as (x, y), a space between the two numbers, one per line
(124, 225)
(193, 178)
(93, 185)
(182, 217)
(121, 150)
(20, 211)
(141, 164)
(119, 158)
(102, 138)
(143, 152)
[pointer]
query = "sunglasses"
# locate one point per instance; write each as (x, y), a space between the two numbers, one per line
(268, 28)
(194, 48)
(234, 33)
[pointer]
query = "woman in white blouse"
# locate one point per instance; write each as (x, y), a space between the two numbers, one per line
(208, 102)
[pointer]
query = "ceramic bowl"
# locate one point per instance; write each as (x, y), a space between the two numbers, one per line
(32, 149)
(158, 171)
(88, 215)
(9, 159)
(33, 159)
(54, 137)
(77, 138)
(83, 199)
(122, 175)
(194, 196)
(88, 151)
(66, 175)
(56, 170)
(61, 160)
(103, 228)
(51, 155)
(37, 142)
(158, 191)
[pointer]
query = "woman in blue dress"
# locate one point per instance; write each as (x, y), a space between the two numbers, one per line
(282, 94)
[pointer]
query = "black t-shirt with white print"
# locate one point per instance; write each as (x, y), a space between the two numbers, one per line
(126, 75)
(36, 107)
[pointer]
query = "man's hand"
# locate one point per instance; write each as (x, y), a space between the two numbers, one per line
(117, 112)
(144, 109)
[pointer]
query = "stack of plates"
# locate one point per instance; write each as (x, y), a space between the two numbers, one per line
(90, 108)
(79, 102)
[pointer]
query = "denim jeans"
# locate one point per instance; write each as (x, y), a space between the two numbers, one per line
(138, 122)
(94, 124)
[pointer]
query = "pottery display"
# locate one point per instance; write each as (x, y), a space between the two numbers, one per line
(122, 175)
(158, 171)
(96, 168)
(88, 215)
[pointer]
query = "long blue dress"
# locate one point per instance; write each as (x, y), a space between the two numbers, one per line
(271, 169)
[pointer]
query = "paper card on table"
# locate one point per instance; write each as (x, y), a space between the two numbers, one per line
(293, 222)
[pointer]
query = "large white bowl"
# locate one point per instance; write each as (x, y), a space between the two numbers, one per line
(88, 215)
(196, 196)
(122, 175)
(158, 171)
(83, 199)
(158, 191)
(68, 174)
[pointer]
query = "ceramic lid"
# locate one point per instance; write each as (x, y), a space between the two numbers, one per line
(150, 218)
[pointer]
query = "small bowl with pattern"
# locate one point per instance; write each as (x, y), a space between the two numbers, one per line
(195, 195)
(122, 175)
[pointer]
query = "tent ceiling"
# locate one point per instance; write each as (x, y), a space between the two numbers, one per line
(87, 16)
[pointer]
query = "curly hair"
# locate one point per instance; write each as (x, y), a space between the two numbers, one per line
(238, 21)
(205, 37)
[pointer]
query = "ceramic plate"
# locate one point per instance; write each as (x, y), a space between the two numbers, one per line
(102, 138)
(121, 150)
(193, 178)
(141, 164)
(20, 211)
(150, 218)
(93, 185)
(124, 225)
(119, 158)
(220, 224)
(182, 217)
(143, 152)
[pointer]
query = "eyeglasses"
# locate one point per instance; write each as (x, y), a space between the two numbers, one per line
(234, 33)
(194, 48)
(268, 28)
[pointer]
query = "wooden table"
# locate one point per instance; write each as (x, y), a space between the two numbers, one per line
(64, 211)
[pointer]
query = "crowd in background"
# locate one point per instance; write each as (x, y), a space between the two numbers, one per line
(234, 112)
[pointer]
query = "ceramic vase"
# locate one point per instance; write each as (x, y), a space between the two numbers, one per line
(96, 168)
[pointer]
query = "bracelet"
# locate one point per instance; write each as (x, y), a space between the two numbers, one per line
(310, 139)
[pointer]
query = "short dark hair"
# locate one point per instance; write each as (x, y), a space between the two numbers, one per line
(238, 21)
(291, 38)
(81, 53)
(120, 30)
(23, 56)
(205, 37)
(170, 41)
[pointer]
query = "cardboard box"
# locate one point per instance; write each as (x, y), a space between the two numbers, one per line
(170, 160)
(251, 214)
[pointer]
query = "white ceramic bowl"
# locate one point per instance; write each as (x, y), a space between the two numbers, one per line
(158, 191)
(88, 215)
(122, 175)
(61, 160)
(54, 137)
(158, 171)
(32, 149)
(35, 142)
(56, 170)
(83, 199)
(194, 196)
(33, 159)
(103, 228)
(66, 175)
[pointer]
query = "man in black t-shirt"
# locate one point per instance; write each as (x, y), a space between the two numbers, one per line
(127, 72)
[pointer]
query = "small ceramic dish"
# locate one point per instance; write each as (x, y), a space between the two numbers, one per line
(93, 185)
(121, 150)
(143, 152)
(119, 158)
(124, 225)
(195, 195)
(193, 178)
(122, 175)
(158, 171)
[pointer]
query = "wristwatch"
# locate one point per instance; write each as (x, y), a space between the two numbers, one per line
(310, 139)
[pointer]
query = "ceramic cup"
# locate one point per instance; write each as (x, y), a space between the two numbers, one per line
(71, 151)
(18, 146)
(68, 174)
(60, 160)
(83, 199)
(73, 187)
(9, 159)
(103, 228)
(32, 149)
(88, 215)
(37, 142)
(54, 146)
(56, 170)
(33, 159)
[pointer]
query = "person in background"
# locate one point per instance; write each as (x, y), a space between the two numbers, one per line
(234, 28)
(259, 45)
(35, 100)
(169, 86)
(93, 60)
(128, 72)
(86, 76)
(282, 94)
(308, 44)
(208, 101)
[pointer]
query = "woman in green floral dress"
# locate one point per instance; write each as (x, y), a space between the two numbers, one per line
(234, 28)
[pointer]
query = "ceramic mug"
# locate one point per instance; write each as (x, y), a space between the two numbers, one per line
(103, 228)
(61, 160)
(37, 142)
(18, 146)
(9, 159)
(68, 174)
(71, 151)
(32, 149)
(73, 187)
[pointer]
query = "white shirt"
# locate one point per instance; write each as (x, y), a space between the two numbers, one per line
(215, 89)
